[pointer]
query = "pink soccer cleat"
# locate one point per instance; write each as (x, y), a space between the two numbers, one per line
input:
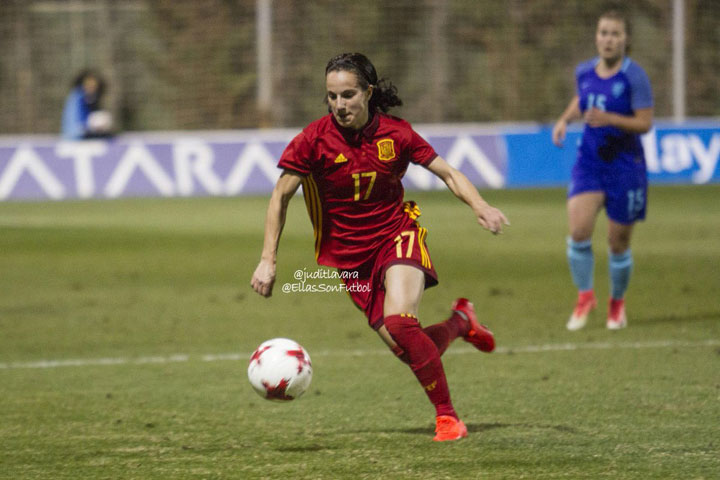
(585, 303)
(616, 315)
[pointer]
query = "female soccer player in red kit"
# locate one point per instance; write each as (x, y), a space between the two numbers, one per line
(350, 164)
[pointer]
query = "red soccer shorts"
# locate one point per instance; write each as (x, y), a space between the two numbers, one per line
(365, 284)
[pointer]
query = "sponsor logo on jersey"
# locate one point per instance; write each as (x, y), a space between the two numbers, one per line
(617, 89)
(341, 159)
(386, 149)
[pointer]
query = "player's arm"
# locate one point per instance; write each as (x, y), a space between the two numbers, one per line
(571, 113)
(639, 122)
(73, 126)
(489, 217)
(264, 277)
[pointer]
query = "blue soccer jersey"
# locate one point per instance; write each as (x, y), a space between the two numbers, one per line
(610, 159)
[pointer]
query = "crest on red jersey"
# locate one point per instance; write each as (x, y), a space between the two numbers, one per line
(386, 149)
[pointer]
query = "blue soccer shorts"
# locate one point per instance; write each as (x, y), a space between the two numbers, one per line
(624, 184)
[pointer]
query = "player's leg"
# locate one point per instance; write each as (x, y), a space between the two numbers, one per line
(582, 212)
(620, 266)
(404, 298)
(626, 204)
(461, 323)
(404, 286)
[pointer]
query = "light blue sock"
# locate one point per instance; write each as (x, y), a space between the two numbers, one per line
(582, 263)
(621, 265)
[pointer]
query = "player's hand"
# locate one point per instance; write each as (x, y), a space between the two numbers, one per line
(264, 278)
(595, 117)
(558, 133)
(492, 219)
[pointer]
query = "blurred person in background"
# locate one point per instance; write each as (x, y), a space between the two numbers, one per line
(614, 99)
(350, 164)
(82, 115)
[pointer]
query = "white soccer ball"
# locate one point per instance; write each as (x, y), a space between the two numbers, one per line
(99, 121)
(280, 369)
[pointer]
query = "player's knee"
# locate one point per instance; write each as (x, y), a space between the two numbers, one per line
(580, 234)
(619, 249)
(619, 242)
(414, 347)
(401, 327)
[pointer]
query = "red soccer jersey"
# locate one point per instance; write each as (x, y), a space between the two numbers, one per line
(352, 184)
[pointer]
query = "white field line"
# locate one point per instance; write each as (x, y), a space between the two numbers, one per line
(182, 358)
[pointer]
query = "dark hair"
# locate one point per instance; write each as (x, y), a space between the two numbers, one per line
(384, 94)
(80, 78)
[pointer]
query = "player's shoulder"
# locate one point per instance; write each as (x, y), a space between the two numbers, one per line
(319, 127)
(632, 69)
(586, 66)
(393, 123)
(75, 96)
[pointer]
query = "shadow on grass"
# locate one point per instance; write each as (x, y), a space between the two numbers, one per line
(475, 428)
(304, 448)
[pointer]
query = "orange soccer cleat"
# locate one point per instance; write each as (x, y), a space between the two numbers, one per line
(449, 428)
(479, 335)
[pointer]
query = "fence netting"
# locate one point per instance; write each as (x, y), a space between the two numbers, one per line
(192, 64)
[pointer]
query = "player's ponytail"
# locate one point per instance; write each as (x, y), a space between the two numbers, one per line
(384, 94)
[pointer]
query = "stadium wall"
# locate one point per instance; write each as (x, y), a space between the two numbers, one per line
(227, 163)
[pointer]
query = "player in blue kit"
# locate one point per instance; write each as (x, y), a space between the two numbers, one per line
(614, 99)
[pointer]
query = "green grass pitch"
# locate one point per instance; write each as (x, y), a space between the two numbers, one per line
(126, 326)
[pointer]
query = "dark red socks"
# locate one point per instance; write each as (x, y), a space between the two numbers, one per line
(443, 333)
(421, 352)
